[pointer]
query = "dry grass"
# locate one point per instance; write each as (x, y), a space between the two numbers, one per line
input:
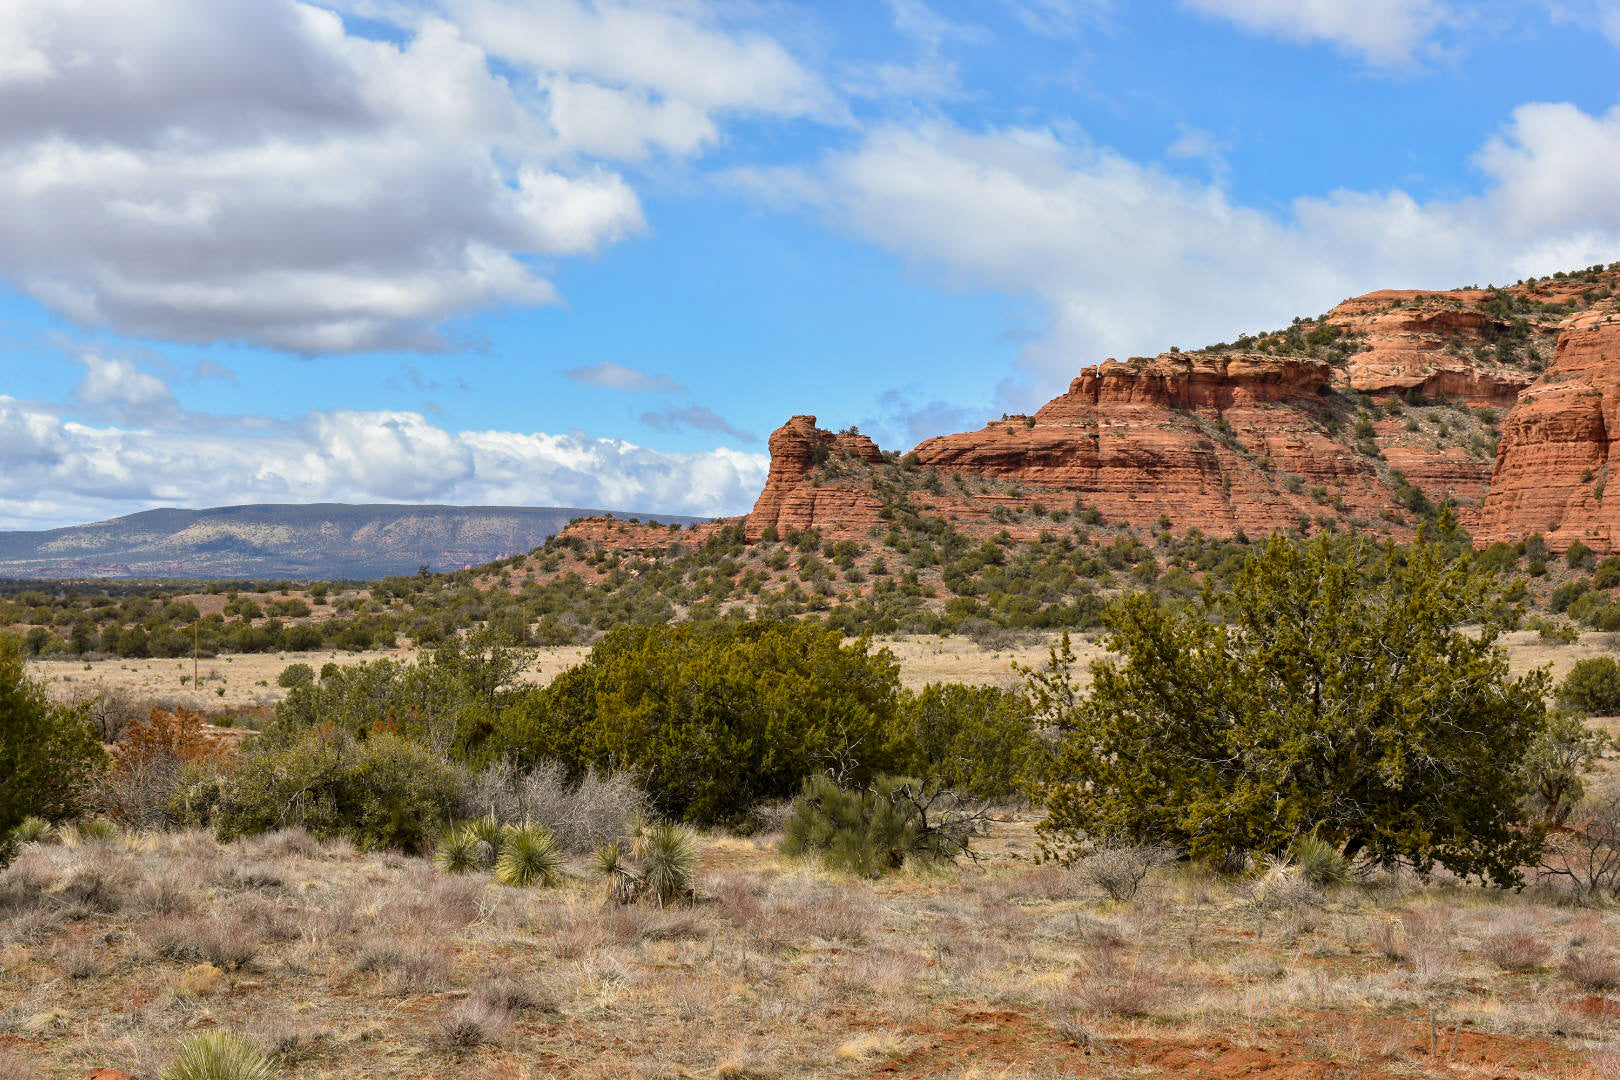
(341, 964)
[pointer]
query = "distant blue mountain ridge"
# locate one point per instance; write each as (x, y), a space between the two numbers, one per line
(287, 540)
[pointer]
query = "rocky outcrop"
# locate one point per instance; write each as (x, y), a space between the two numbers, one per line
(1425, 343)
(1220, 442)
(792, 500)
(1554, 463)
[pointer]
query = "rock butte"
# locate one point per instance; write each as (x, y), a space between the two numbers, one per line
(1252, 439)
(1553, 466)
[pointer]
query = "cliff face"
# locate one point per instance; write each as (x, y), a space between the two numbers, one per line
(1208, 441)
(791, 500)
(1551, 475)
(1350, 420)
(1430, 344)
(1226, 443)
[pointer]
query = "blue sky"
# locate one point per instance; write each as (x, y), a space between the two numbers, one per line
(563, 252)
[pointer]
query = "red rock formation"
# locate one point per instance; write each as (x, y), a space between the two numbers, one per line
(791, 500)
(1407, 346)
(1554, 461)
(1207, 440)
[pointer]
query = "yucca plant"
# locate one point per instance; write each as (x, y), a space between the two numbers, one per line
(668, 861)
(655, 862)
(96, 830)
(218, 1055)
(32, 830)
(489, 829)
(462, 850)
(1319, 862)
(529, 856)
(613, 863)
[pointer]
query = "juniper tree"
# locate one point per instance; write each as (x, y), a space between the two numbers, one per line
(1339, 689)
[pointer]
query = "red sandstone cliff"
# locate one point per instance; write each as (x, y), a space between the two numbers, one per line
(1257, 437)
(1552, 471)
(1428, 345)
(791, 498)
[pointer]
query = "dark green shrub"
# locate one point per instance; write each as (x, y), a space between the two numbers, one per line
(1339, 688)
(712, 718)
(47, 751)
(977, 740)
(870, 831)
(381, 790)
(295, 675)
(1592, 686)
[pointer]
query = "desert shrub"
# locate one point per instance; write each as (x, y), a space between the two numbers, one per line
(1319, 862)
(1558, 763)
(103, 885)
(15, 1067)
(1514, 948)
(295, 675)
(712, 718)
(872, 830)
(1593, 971)
(511, 993)
(528, 856)
(1119, 868)
(218, 1055)
(582, 814)
(138, 788)
(1334, 689)
(47, 751)
(447, 700)
(381, 791)
(33, 830)
(472, 1023)
(657, 863)
(1592, 686)
(977, 740)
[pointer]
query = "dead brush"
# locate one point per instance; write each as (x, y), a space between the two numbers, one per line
(80, 961)
(1515, 947)
(1119, 868)
(1388, 938)
(419, 968)
(101, 885)
(509, 992)
(471, 1024)
(14, 1066)
(1591, 970)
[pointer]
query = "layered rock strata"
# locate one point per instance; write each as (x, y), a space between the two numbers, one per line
(1552, 472)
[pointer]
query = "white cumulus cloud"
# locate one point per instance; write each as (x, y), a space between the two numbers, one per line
(198, 171)
(1130, 259)
(55, 472)
(1382, 32)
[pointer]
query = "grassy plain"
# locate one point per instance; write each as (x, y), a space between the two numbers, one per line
(350, 964)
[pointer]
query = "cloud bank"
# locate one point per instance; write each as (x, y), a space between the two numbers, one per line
(55, 472)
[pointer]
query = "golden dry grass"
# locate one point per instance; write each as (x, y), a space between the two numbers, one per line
(348, 964)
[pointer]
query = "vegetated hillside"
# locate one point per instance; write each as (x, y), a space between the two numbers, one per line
(321, 540)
